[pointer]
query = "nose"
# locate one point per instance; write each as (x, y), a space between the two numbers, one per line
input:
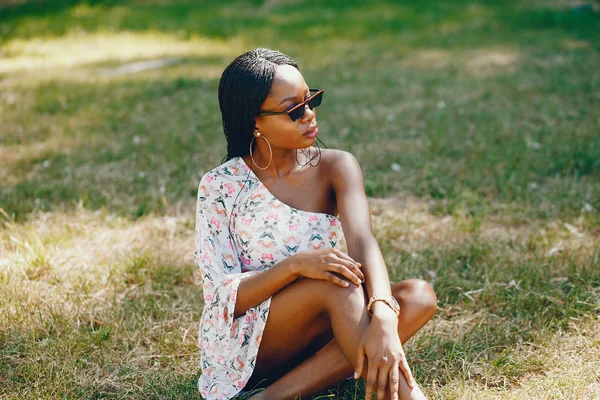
(308, 114)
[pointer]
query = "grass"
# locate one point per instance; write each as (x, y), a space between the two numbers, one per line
(489, 109)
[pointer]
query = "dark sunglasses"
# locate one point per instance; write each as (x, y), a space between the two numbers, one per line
(296, 111)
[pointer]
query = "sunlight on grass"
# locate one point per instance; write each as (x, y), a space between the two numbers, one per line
(489, 62)
(66, 243)
(85, 49)
(572, 373)
(429, 58)
(74, 285)
(479, 62)
(100, 282)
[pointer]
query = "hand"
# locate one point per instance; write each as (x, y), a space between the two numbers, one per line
(325, 263)
(381, 345)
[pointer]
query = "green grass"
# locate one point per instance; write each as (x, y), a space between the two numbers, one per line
(490, 109)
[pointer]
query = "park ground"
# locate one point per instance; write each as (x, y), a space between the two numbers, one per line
(476, 123)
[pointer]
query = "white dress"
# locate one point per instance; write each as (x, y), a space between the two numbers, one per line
(264, 231)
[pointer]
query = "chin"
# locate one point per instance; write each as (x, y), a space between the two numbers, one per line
(310, 140)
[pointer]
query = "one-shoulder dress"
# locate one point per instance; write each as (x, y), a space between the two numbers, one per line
(243, 230)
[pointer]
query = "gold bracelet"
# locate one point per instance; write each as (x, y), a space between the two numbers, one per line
(389, 300)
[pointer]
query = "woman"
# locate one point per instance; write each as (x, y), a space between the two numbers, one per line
(283, 305)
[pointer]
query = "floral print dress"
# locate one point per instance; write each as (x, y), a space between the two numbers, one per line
(264, 231)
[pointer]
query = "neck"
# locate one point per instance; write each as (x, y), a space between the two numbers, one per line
(282, 163)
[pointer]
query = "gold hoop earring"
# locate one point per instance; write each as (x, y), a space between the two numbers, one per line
(270, 151)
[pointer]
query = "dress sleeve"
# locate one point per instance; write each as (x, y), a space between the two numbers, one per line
(215, 254)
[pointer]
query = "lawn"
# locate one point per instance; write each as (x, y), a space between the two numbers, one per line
(476, 123)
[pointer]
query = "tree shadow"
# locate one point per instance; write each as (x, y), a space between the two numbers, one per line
(301, 21)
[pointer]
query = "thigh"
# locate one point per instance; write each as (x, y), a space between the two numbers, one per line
(297, 319)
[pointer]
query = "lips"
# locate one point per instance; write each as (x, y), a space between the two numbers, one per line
(311, 131)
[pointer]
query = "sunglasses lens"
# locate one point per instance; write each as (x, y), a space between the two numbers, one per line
(316, 101)
(297, 113)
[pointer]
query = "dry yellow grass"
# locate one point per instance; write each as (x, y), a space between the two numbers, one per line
(79, 268)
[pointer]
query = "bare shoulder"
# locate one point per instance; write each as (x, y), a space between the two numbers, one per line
(347, 184)
(341, 167)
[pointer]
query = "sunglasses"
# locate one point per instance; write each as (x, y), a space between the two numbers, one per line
(296, 111)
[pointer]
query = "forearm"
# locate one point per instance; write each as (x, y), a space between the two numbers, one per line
(377, 280)
(253, 290)
(366, 251)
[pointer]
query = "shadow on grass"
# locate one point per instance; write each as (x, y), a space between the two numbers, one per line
(299, 22)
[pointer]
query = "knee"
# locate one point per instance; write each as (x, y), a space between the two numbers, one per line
(333, 295)
(417, 293)
(353, 293)
(351, 297)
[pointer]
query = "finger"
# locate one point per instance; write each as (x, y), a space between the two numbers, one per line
(352, 266)
(394, 381)
(338, 281)
(371, 380)
(346, 260)
(346, 273)
(356, 270)
(382, 381)
(344, 256)
(407, 372)
(359, 363)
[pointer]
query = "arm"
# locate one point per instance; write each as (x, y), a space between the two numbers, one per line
(321, 264)
(257, 288)
(348, 185)
(222, 278)
(380, 343)
(215, 254)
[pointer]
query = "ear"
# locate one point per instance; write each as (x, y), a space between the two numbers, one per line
(255, 130)
(257, 122)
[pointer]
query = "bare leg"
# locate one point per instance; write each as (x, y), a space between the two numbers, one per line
(329, 365)
(300, 314)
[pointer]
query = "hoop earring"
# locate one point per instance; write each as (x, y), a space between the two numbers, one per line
(270, 151)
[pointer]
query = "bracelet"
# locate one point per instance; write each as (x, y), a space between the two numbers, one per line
(389, 300)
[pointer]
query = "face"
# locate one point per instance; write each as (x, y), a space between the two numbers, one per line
(288, 89)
